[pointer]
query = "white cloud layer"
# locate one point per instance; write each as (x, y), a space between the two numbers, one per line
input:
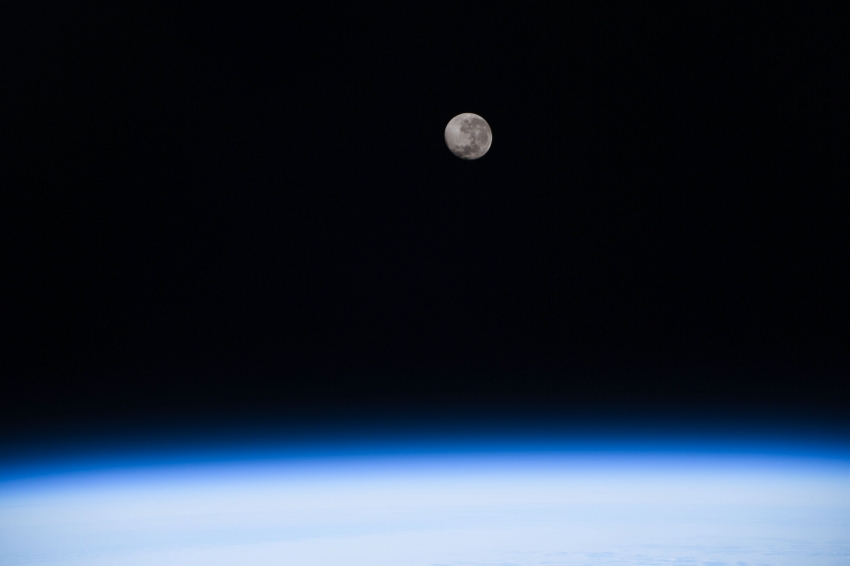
(428, 510)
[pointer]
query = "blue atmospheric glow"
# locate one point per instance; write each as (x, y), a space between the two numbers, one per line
(420, 505)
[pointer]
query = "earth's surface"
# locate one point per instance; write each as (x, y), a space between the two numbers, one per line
(611, 508)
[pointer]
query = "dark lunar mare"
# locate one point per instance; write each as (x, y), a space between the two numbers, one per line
(477, 128)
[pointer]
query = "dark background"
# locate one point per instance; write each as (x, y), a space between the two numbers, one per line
(253, 210)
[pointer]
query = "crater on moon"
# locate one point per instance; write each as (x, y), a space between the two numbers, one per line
(468, 136)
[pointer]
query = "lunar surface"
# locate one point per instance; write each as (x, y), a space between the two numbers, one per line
(468, 136)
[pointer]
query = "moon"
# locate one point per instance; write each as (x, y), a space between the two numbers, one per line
(468, 136)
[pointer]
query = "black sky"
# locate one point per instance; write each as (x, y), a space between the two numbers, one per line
(254, 210)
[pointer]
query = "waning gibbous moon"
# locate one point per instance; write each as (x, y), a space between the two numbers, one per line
(468, 136)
